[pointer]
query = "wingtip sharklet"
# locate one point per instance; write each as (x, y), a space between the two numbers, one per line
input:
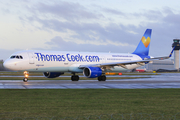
(171, 52)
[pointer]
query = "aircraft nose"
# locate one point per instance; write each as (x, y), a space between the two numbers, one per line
(7, 64)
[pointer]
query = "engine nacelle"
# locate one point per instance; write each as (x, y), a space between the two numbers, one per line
(52, 74)
(92, 72)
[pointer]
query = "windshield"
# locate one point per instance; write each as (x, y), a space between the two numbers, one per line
(16, 57)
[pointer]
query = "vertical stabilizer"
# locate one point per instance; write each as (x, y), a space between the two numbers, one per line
(144, 44)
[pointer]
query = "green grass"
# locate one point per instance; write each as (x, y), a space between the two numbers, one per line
(84, 102)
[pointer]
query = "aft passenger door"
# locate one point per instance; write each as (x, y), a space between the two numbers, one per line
(103, 59)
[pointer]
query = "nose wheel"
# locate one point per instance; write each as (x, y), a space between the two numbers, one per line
(26, 75)
(25, 79)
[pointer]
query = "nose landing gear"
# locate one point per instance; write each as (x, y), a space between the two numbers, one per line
(26, 75)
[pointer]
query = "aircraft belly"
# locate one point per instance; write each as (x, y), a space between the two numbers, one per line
(49, 69)
(75, 69)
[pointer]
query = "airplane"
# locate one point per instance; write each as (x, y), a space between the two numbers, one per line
(93, 65)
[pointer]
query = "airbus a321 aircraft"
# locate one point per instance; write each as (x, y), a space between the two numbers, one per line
(91, 64)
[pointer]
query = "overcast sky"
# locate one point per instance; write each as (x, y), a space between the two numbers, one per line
(87, 25)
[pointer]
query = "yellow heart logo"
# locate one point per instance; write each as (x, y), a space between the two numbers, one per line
(146, 41)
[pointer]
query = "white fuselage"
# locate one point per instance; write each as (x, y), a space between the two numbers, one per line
(64, 61)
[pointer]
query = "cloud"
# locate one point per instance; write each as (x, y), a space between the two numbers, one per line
(65, 10)
(92, 33)
(113, 11)
(59, 44)
(172, 19)
(93, 30)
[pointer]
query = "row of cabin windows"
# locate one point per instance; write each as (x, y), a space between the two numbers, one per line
(16, 56)
(116, 59)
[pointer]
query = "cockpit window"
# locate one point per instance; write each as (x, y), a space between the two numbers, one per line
(16, 56)
(13, 57)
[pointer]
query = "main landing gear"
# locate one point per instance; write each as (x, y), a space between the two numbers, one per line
(74, 77)
(26, 75)
(102, 78)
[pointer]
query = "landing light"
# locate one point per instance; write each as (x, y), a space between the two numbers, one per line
(26, 75)
(25, 72)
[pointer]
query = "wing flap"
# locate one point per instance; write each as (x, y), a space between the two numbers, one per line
(124, 63)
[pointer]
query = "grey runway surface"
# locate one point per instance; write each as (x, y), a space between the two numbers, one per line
(165, 80)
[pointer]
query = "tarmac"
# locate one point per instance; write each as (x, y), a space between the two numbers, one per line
(165, 80)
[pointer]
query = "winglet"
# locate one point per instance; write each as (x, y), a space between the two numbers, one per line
(171, 52)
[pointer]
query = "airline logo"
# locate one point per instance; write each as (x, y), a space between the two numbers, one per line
(145, 41)
(67, 57)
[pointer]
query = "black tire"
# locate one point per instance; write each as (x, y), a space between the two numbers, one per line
(25, 79)
(77, 77)
(102, 78)
(74, 77)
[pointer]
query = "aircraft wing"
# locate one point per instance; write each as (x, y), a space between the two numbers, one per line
(122, 64)
(112, 64)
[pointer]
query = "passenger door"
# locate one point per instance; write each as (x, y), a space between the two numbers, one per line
(31, 57)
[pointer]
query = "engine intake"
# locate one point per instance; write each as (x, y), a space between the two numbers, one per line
(92, 72)
(52, 74)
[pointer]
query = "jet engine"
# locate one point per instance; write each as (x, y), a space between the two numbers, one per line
(52, 74)
(92, 72)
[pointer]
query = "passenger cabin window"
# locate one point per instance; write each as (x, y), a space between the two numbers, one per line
(16, 57)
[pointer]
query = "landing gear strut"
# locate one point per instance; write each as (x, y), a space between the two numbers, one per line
(102, 78)
(74, 77)
(26, 75)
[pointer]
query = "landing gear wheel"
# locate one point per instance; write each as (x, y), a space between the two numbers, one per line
(25, 79)
(26, 75)
(102, 78)
(74, 77)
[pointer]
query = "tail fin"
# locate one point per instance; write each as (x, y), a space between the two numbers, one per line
(144, 44)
